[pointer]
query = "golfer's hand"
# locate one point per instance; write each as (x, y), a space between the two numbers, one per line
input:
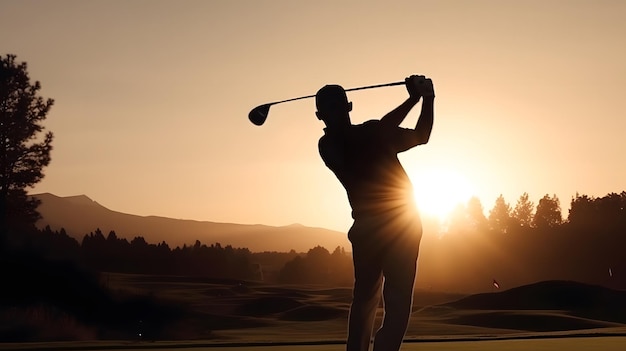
(426, 89)
(413, 84)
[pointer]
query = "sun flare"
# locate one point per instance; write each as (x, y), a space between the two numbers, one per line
(438, 191)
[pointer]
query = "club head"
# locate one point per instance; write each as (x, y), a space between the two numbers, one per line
(258, 115)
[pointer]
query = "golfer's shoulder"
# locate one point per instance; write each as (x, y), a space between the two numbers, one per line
(372, 123)
(368, 128)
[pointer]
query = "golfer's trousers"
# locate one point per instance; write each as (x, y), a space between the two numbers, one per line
(385, 251)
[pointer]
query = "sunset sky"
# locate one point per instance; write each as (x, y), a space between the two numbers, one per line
(152, 98)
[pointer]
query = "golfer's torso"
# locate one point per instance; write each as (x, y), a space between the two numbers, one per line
(369, 169)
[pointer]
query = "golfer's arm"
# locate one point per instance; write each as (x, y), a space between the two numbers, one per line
(397, 115)
(425, 122)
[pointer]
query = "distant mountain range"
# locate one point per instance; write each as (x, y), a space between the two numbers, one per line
(80, 215)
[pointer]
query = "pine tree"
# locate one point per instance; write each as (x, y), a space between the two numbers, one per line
(500, 215)
(548, 212)
(24, 151)
(523, 211)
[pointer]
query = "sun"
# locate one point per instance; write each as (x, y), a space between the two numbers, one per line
(438, 191)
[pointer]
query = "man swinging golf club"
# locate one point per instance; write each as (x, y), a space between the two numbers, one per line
(387, 230)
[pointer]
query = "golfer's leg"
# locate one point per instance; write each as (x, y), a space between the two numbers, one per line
(399, 271)
(366, 296)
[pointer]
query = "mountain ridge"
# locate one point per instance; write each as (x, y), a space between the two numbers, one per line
(80, 215)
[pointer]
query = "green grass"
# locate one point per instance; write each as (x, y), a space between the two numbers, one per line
(260, 313)
(216, 312)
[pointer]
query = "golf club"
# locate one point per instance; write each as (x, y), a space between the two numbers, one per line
(258, 115)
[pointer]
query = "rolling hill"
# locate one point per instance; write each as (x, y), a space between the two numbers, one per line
(549, 295)
(554, 305)
(80, 215)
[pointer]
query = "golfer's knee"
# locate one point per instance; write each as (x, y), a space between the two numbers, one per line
(399, 307)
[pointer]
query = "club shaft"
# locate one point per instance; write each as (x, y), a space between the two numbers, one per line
(351, 89)
(298, 98)
(377, 86)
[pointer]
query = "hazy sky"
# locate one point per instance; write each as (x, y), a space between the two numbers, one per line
(152, 97)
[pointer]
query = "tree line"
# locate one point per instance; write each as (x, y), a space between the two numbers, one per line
(524, 243)
(110, 253)
(513, 245)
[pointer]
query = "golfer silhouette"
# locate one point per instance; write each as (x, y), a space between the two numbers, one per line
(387, 229)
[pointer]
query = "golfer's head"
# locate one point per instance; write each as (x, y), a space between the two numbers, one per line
(332, 105)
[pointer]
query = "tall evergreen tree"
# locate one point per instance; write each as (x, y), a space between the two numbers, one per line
(500, 215)
(24, 146)
(523, 211)
(476, 214)
(548, 212)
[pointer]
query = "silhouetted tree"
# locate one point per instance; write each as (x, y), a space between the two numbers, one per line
(92, 249)
(523, 211)
(612, 208)
(467, 218)
(62, 246)
(112, 237)
(341, 268)
(500, 215)
(476, 213)
(294, 271)
(23, 151)
(548, 212)
(319, 266)
(582, 211)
